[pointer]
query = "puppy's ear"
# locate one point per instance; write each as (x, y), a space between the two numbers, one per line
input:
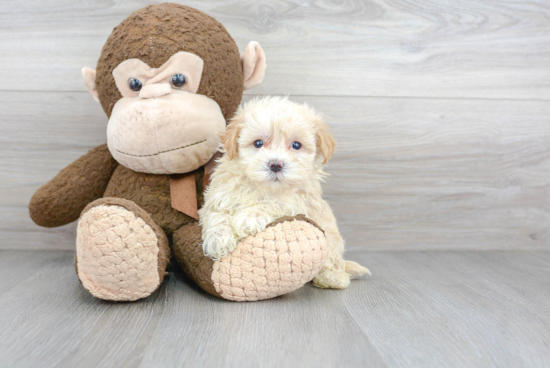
(326, 144)
(230, 138)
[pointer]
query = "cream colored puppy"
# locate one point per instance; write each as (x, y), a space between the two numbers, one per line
(275, 153)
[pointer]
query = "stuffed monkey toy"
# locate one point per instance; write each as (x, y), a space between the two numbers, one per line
(169, 77)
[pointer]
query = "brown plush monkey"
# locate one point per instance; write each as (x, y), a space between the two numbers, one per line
(168, 78)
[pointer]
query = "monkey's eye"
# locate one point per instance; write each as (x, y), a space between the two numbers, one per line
(178, 80)
(259, 143)
(135, 84)
(296, 145)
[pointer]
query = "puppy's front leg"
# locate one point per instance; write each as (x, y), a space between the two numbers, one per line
(217, 235)
(336, 271)
(250, 221)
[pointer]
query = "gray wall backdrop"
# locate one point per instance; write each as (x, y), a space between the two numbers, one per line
(440, 108)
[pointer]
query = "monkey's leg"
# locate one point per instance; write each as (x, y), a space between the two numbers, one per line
(276, 261)
(121, 254)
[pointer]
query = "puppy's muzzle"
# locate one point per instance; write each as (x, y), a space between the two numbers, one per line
(275, 166)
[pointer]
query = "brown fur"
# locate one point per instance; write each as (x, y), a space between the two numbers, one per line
(188, 252)
(63, 198)
(152, 35)
(294, 218)
(155, 33)
(152, 193)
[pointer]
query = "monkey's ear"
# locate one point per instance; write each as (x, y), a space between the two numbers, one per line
(253, 60)
(88, 75)
(230, 138)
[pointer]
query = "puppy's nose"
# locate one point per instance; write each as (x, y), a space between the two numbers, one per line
(275, 166)
(155, 90)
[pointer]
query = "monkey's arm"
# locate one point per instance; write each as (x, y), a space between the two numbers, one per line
(62, 199)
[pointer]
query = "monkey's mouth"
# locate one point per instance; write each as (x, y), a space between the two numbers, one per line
(158, 153)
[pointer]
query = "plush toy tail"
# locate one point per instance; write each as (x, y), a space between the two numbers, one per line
(355, 270)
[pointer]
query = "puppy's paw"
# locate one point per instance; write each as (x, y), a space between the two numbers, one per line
(218, 242)
(249, 223)
(331, 279)
(355, 270)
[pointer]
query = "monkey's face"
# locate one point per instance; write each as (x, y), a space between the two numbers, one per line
(169, 76)
(160, 125)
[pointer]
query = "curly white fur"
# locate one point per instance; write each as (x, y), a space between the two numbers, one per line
(245, 195)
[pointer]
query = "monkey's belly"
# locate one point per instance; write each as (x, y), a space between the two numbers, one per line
(152, 193)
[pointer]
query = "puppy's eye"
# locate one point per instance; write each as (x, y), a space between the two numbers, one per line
(296, 145)
(134, 84)
(178, 80)
(259, 143)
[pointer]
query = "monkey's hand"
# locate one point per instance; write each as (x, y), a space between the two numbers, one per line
(64, 197)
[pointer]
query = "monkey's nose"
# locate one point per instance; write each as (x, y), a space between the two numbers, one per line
(275, 166)
(154, 90)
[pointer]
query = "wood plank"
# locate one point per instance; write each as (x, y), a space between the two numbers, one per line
(306, 328)
(434, 48)
(50, 317)
(429, 309)
(408, 173)
(455, 309)
(51, 320)
(17, 266)
(440, 174)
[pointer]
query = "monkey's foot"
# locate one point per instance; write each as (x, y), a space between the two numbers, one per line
(121, 254)
(276, 261)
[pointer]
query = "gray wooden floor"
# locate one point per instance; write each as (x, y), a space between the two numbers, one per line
(421, 309)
